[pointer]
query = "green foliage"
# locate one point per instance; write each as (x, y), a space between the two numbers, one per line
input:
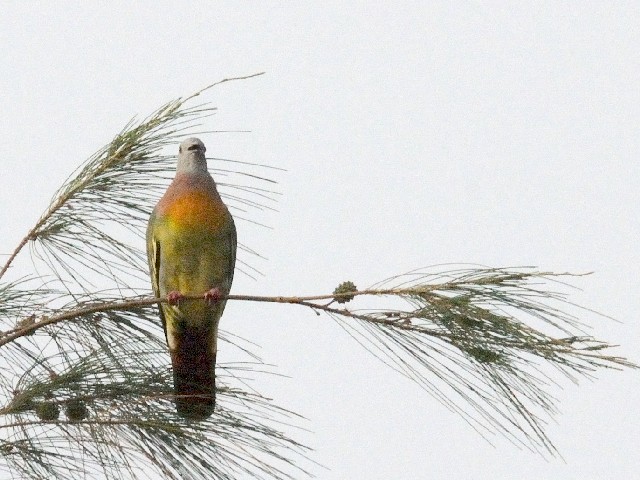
(465, 336)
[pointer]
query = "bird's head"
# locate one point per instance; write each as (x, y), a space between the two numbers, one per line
(191, 157)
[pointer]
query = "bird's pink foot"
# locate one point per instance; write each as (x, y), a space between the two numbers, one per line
(174, 297)
(213, 296)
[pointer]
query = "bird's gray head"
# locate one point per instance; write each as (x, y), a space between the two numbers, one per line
(191, 157)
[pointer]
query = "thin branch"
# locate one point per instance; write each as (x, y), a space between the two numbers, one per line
(200, 92)
(16, 251)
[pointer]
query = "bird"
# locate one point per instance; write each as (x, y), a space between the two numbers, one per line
(191, 249)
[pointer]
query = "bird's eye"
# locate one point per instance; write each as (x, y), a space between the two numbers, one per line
(180, 149)
(194, 147)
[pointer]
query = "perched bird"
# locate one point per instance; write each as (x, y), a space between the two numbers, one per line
(191, 247)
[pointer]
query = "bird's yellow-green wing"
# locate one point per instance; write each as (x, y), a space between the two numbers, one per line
(153, 256)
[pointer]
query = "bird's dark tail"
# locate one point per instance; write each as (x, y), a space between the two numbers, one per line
(194, 375)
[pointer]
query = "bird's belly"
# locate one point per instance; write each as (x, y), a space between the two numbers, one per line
(196, 265)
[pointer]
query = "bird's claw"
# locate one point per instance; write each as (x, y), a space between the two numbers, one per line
(212, 296)
(174, 297)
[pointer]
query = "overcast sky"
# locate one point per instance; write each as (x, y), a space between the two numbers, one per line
(412, 135)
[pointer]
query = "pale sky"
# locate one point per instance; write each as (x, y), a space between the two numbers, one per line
(412, 135)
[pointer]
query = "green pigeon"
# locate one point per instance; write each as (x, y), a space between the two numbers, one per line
(191, 247)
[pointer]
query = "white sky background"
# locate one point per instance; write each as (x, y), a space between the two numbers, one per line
(412, 136)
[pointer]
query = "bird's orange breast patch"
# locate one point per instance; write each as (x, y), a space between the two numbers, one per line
(197, 209)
